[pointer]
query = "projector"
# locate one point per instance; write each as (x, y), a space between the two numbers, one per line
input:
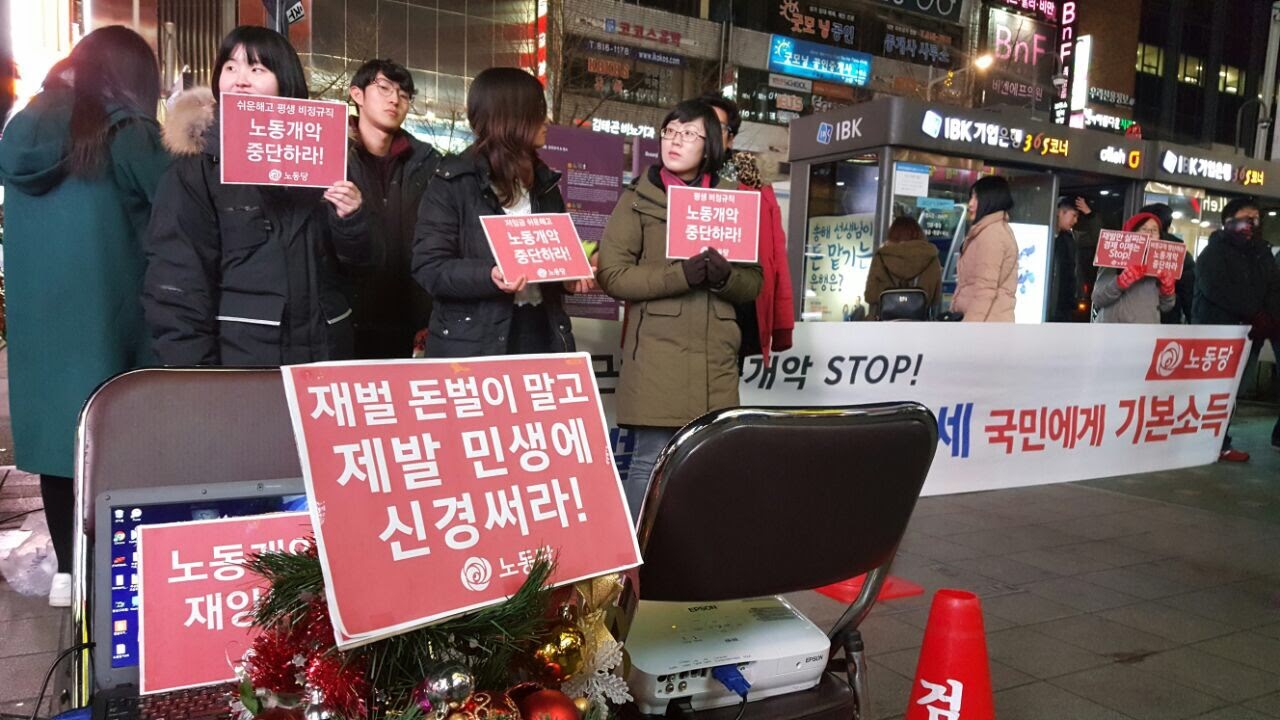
(674, 648)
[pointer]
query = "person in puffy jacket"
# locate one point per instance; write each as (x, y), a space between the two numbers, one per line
(987, 271)
(248, 274)
(1130, 295)
(906, 260)
(680, 343)
(80, 165)
(476, 310)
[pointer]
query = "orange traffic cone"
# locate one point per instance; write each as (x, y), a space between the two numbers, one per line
(953, 677)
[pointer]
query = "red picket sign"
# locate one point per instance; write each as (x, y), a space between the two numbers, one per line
(269, 140)
(196, 599)
(1119, 249)
(1165, 256)
(435, 485)
(700, 218)
(544, 247)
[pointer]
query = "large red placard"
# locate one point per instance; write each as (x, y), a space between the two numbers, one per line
(268, 140)
(701, 218)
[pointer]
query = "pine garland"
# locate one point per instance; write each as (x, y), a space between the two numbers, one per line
(488, 642)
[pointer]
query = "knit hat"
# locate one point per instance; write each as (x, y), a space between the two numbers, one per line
(1135, 222)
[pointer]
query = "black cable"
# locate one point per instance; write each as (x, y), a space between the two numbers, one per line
(741, 708)
(35, 714)
(11, 518)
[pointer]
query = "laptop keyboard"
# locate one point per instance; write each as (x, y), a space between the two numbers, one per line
(195, 703)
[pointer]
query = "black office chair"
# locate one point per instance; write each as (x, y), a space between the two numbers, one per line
(752, 502)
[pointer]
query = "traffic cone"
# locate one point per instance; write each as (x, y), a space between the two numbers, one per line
(953, 677)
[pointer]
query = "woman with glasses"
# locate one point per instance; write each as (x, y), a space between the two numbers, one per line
(248, 274)
(681, 338)
(476, 310)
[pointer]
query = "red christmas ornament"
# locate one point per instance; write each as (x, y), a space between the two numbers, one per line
(271, 666)
(343, 685)
(548, 705)
(317, 629)
(490, 706)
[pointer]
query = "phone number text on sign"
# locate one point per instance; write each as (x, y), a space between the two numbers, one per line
(435, 485)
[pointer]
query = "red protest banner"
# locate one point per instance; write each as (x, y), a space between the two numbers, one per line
(1165, 256)
(268, 140)
(727, 220)
(196, 600)
(1119, 249)
(542, 247)
(436, 484)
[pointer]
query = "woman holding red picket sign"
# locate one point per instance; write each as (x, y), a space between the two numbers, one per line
(681, 339)
(248, 274)
(476, 310)
(1130, 295)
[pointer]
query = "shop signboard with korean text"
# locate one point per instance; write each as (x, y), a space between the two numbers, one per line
(435, 485)
(815, 61)
(540, 248)
(812, 21)
(1025, 57)
(701, 218)
(268, 140)
(1236, 174)
(196, 599)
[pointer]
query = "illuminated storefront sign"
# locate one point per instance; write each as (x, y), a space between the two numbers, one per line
(1105, 122)
(1111, 155)
(1066, 46)
(995, 135)
(1103, 96)
(617, 127)
(818, 62)
(1176, 164)
(820, 23)
(636, 30)
(1023, 49)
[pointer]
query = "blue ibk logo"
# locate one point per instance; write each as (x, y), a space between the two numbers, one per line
(824, 133)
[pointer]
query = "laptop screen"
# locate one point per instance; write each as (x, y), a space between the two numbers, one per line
(125, 519)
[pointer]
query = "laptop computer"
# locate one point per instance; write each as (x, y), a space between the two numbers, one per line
(113, 596)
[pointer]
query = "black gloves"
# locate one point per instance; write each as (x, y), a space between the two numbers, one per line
(718, 268)
(708, 268)
(695, 270)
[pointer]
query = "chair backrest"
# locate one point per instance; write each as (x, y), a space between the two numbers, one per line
(749, 502)
(166, 426)
(183, 426)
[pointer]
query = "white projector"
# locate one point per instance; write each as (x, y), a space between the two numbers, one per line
(675, 646)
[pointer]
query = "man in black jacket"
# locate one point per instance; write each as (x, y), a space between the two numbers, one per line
(1064, 285)
(1237, 282)
(392, 168)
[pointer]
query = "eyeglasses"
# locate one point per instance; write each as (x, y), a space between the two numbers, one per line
(670, 133)
(387, 90)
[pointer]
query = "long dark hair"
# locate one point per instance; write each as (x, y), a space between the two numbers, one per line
(506, 108)
(268, 48)
(713, 146)
(993, 196)
(112, 67)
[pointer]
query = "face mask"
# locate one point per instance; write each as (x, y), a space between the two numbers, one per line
(1243, 227)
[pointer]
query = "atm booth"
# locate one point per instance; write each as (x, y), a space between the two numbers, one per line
(855, 169)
